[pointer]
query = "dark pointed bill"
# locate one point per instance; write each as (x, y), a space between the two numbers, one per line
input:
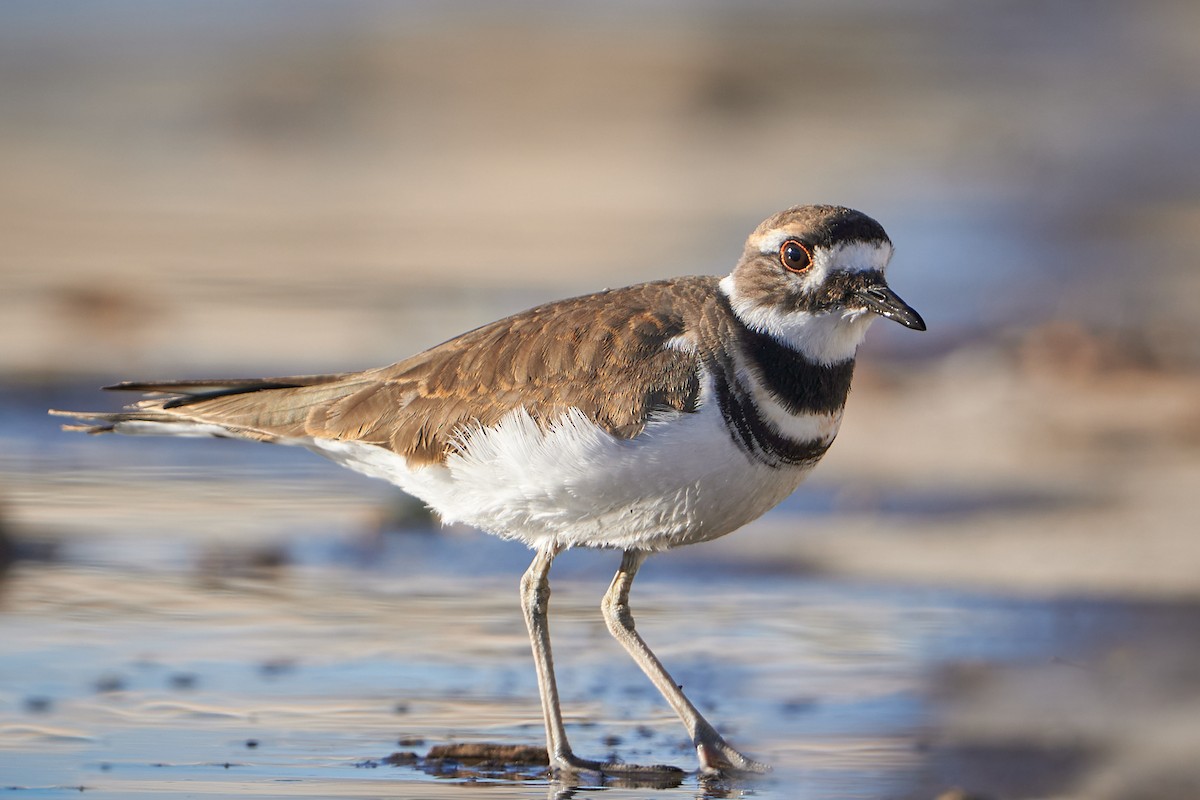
(886, 303)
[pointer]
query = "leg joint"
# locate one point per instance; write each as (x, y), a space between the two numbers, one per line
(617, 613)
(535, 596)
(535, 587)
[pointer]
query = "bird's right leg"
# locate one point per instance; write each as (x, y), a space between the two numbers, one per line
(535, 602)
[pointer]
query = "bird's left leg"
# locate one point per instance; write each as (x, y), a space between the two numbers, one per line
(714, 753)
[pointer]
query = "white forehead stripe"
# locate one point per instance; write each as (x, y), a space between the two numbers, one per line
(772, 240)
(854, 256)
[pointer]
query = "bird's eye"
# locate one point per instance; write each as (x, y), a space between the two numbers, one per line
(795, 256)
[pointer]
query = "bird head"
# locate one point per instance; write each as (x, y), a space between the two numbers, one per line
(813, 277)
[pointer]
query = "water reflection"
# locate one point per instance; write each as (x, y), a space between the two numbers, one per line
(327, 668)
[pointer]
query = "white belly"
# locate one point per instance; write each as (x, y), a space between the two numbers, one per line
(680, 481)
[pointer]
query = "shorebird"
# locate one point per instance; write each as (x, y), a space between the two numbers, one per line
(638, 419)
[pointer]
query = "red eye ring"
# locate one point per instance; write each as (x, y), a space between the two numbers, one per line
(794, 256)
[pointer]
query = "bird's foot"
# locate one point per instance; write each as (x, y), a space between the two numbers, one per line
(647, 775)
(717, 757)
(569, 762)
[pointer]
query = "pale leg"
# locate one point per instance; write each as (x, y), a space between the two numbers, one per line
(714, 754)
(535, 602)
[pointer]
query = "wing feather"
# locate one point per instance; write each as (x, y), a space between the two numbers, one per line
(609, 355)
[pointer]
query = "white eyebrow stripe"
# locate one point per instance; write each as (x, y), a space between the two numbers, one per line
(846, 257)
(854, 256)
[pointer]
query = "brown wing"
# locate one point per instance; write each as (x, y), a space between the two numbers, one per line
(604, 354)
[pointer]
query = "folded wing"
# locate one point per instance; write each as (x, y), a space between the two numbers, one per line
(616, 356)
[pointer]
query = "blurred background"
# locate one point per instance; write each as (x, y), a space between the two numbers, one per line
(990, 586)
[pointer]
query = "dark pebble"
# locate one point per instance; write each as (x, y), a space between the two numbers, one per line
(38, 704)
(109, 683)
(182, 681)
(402, 759)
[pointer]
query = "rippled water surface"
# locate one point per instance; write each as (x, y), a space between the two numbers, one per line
(137, 680)
(218, 618)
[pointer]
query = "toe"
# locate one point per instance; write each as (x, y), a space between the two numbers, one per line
(718, 757)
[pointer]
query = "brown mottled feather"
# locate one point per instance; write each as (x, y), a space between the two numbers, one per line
(604, 354)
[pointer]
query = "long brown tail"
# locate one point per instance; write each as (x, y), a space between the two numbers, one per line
(263, 409)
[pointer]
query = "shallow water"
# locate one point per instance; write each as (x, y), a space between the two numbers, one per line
(221, 618)
(231, 619)
(123, 680)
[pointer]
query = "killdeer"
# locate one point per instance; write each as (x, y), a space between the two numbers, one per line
(639, 419)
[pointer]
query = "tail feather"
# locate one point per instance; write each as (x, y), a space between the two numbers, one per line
(185, 390)
(224, 408)
(153, 422)
(102, 422)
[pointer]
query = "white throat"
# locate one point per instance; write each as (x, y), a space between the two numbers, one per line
(826, 338)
